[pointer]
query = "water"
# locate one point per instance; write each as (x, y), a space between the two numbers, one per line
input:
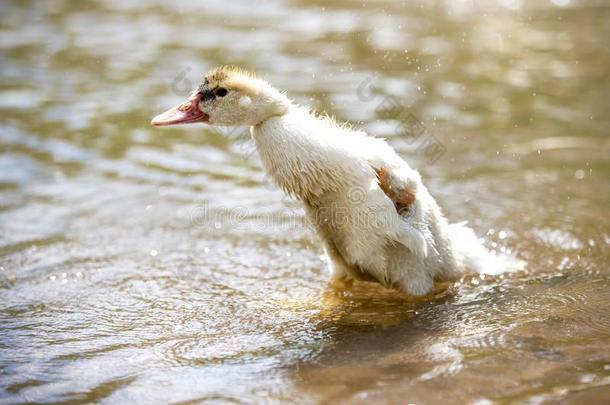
(156, 266)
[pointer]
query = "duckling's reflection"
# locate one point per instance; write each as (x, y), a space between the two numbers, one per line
(371, 329)
(345, 310)
(349, 304)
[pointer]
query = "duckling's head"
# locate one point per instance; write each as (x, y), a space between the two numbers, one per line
(227, 96)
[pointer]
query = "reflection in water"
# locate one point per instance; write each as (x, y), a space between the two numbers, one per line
(157, 266)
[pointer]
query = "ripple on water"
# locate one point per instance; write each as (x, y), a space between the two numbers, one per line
(210, 349)
(233, 304)
(487, 318)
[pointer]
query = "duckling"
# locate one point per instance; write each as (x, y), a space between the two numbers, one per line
(377, 220)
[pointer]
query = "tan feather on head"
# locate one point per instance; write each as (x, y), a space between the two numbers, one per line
(232, 78)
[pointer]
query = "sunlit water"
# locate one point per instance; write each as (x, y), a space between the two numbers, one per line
(156, 266)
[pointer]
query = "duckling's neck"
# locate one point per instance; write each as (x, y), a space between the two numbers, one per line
(296, 152)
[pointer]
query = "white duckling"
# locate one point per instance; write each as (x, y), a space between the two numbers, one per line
(376, 218)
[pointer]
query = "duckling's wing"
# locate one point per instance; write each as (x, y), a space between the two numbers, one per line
(399, 190)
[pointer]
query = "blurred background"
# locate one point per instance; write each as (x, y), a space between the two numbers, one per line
(156, 266)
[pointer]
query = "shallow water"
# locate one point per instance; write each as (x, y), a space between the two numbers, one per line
(157, 266)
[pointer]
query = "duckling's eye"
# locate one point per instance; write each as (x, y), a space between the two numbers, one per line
(221, 92)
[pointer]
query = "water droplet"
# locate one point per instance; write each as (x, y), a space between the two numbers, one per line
(502, 235)
(154, 253)
(579, 174)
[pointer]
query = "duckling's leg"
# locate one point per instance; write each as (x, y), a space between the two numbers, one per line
(416, 282)
(408, 271)
(340, 270)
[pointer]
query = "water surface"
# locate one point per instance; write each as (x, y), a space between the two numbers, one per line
(160, 266)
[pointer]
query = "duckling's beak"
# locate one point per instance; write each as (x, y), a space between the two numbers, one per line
(185, 113)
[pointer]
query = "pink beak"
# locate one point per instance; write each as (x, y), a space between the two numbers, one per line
(185, 113)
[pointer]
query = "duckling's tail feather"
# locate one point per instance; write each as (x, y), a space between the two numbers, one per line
(473, 256)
